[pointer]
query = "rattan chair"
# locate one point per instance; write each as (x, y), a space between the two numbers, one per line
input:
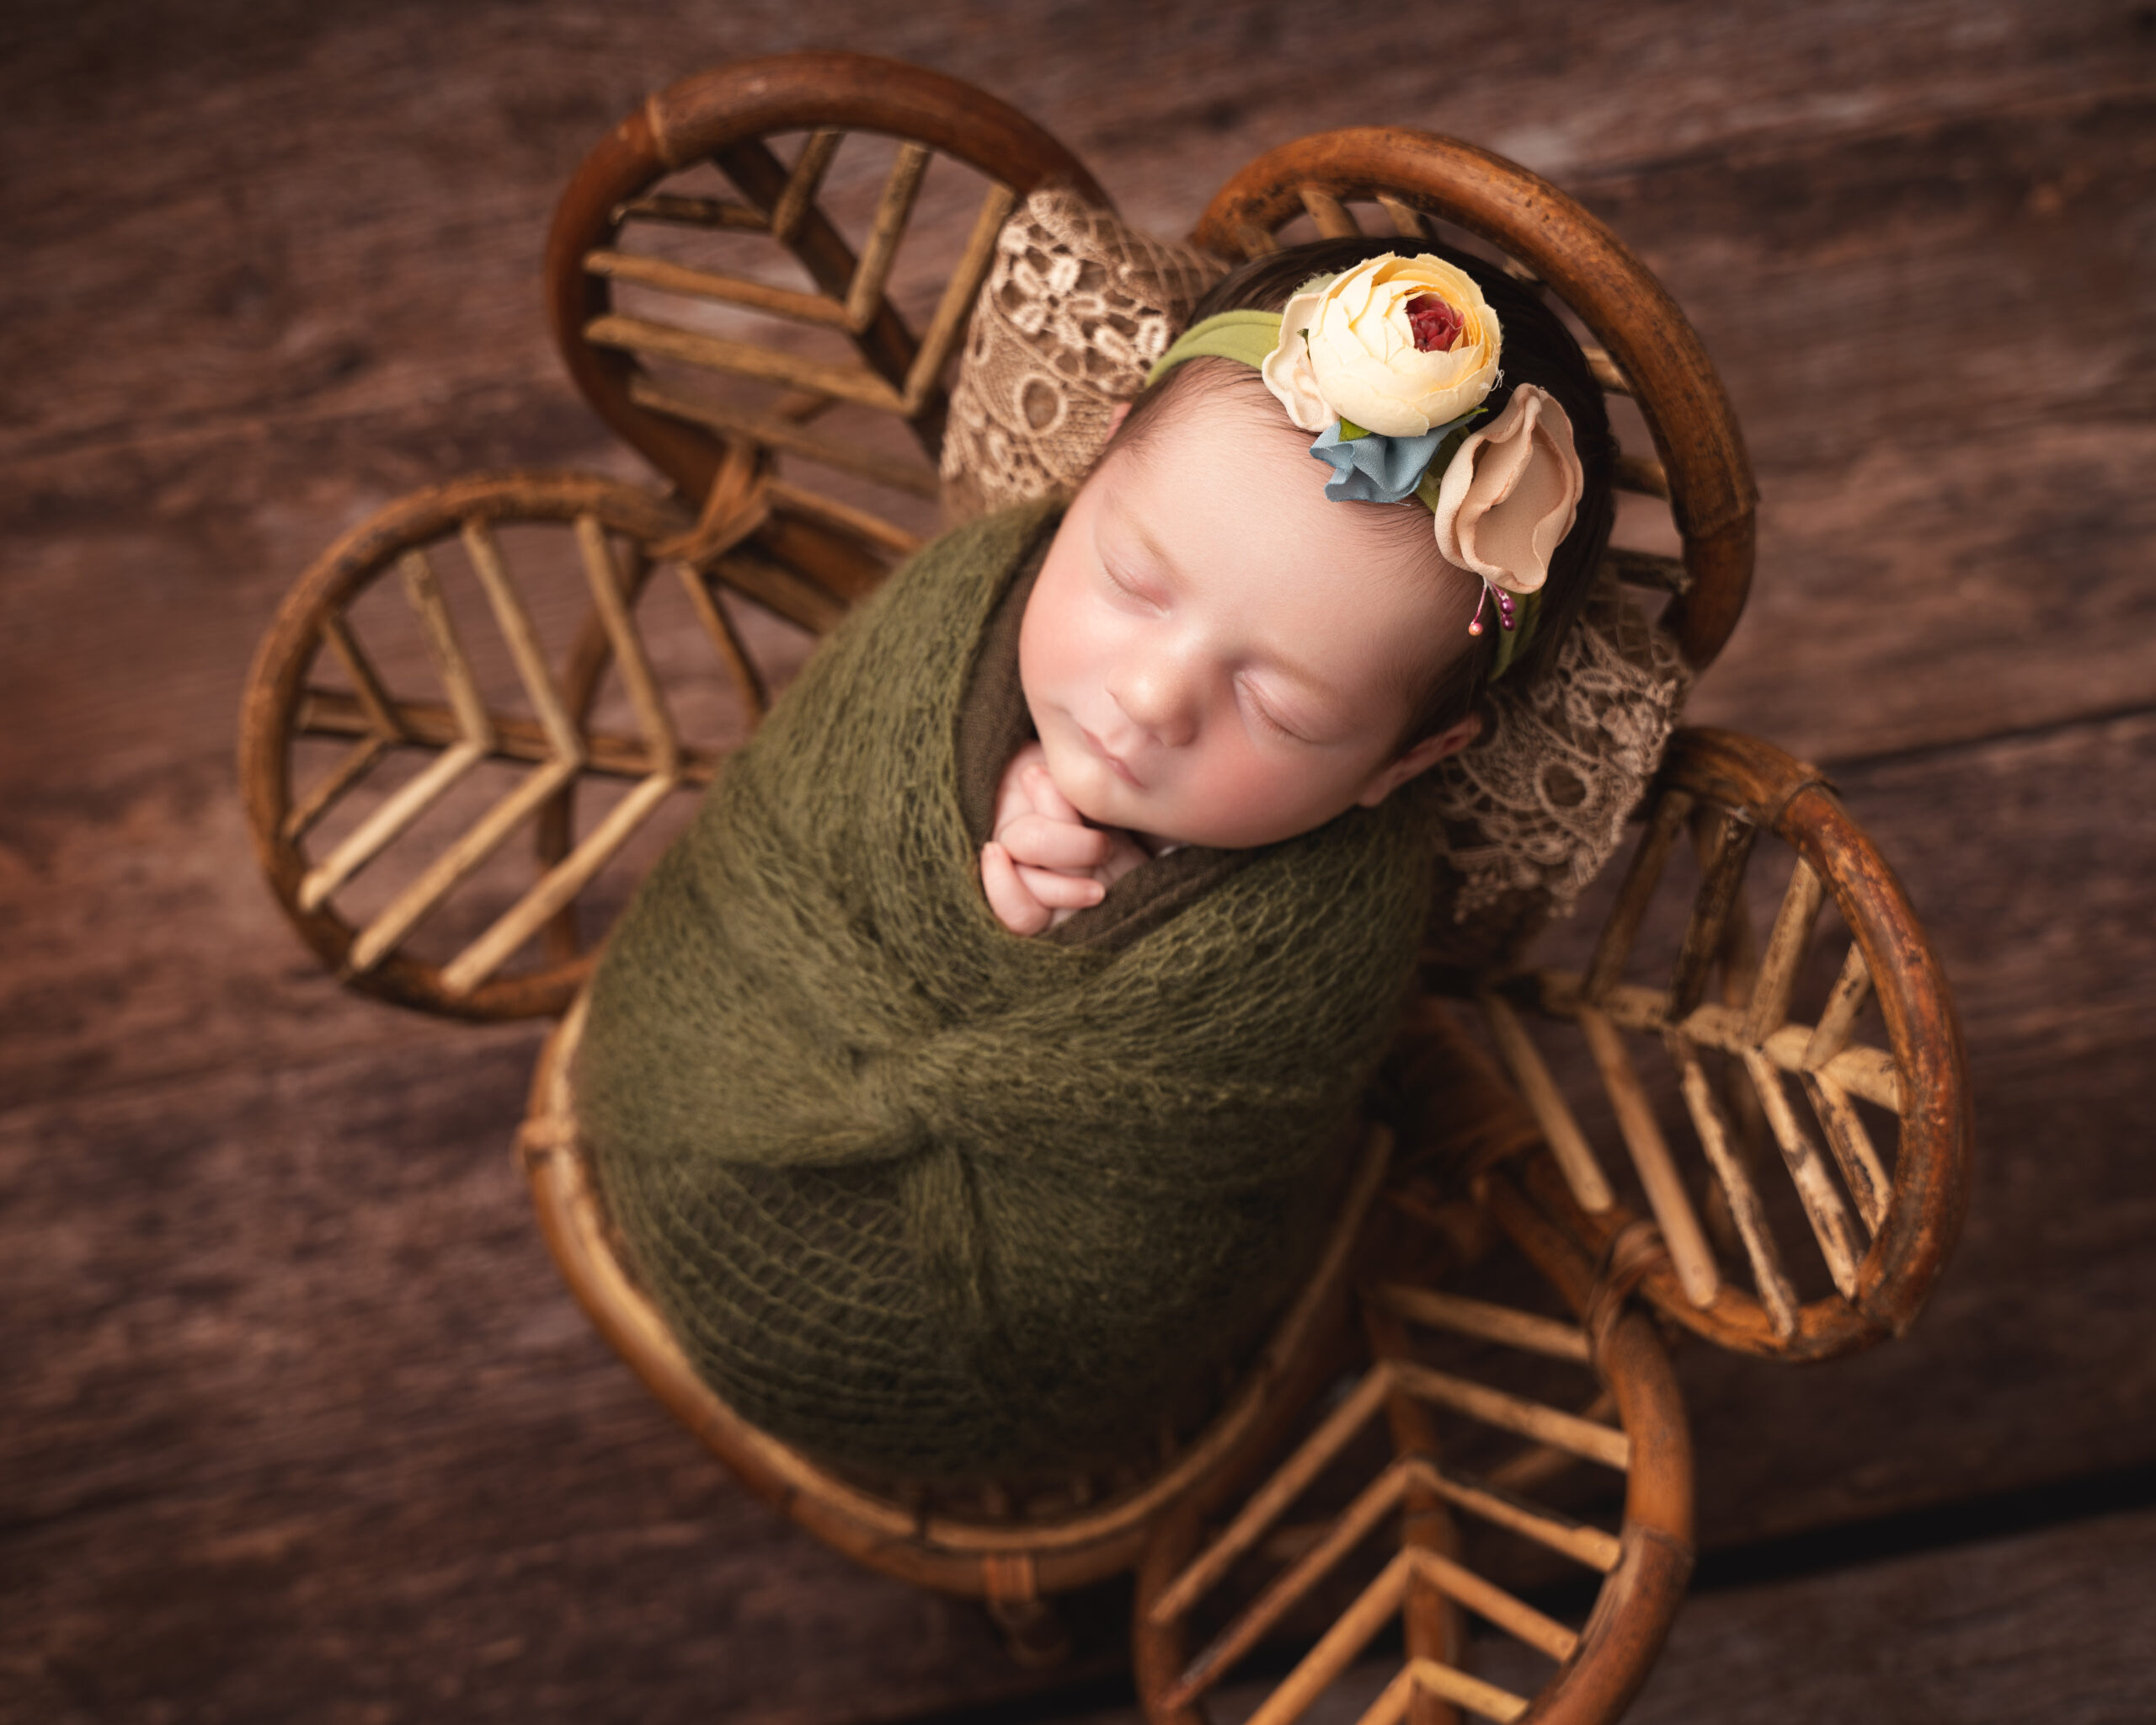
(396, 736)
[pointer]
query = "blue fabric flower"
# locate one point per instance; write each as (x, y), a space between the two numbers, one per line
(1371, 468)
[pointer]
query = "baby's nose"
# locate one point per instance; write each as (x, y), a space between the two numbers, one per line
(1159, 702)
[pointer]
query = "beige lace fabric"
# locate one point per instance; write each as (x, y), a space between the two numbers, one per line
(1075, 308)
(1538, 803)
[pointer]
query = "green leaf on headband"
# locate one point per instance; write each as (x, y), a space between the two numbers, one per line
(1349, 432)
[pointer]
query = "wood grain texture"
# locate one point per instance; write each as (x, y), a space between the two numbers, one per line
(299, 1422)
(1921, 1637)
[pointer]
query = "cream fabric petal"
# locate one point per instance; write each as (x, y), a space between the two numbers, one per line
(1510, 493)
(1287, 371)
(1362, 350)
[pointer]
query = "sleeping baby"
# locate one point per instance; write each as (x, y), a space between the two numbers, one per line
(967, 1086)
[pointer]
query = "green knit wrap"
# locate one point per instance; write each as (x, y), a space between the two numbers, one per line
(917, 1194)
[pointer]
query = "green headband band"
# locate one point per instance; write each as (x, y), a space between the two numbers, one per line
(1249, 337)
(1245, 337)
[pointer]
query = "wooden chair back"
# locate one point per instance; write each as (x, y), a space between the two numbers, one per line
(1839, 1249)
(836, 347)
(1490, 1414)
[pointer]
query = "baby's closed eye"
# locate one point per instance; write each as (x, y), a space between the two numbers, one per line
(1271, 717)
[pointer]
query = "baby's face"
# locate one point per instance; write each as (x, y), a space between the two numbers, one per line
(1215, 653)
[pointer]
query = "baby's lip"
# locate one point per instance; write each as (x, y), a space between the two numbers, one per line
(1122, 767)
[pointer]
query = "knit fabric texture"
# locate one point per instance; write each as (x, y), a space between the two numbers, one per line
(924, 1198)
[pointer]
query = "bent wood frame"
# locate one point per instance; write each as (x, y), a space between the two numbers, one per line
(1642, 1568)
(723, 115)
(280, 706)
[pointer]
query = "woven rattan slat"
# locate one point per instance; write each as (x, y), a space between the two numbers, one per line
(742, 359)
(957, 303)
(1427, 1677)
(803, 182)
(1769, 1280)
(865, 292)
(1333, 219)
(1651, 1159)
(669, 277)
(1552, 1112)
(1492, 1322)
(683, 212)
(1851, 1144)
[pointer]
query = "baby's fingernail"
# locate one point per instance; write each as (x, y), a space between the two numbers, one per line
(1099, 893)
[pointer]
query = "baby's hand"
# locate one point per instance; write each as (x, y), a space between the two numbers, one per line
(1044, 862)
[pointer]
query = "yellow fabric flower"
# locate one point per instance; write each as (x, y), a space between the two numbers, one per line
(1348, 349)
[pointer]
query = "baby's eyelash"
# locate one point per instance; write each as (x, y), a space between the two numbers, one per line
(1133, 590)
(1265, 717)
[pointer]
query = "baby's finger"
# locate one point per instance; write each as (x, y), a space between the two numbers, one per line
(1046, 798)
(1047, 843)
(1016, 909)
(1063, 892)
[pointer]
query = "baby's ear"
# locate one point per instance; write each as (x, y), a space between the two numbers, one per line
(1419, 758)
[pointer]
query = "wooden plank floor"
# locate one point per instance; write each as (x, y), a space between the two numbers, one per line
(298, 1423)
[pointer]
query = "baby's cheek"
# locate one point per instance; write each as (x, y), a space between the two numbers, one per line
(1244, 796)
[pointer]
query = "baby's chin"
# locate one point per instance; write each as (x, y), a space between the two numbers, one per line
(1093, 787)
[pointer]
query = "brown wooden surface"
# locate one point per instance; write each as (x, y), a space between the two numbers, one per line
(299, 1422)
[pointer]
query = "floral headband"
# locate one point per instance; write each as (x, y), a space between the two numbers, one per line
(1389, 362)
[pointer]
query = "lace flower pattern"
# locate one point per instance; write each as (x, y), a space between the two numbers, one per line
(1076, 307)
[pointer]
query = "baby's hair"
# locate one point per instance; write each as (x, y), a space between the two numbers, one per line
(1537, 349)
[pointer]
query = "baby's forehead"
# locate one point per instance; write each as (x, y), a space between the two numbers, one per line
(1217, 482)
(1209, 399)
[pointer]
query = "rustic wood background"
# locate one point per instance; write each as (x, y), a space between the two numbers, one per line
(295, 1421)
